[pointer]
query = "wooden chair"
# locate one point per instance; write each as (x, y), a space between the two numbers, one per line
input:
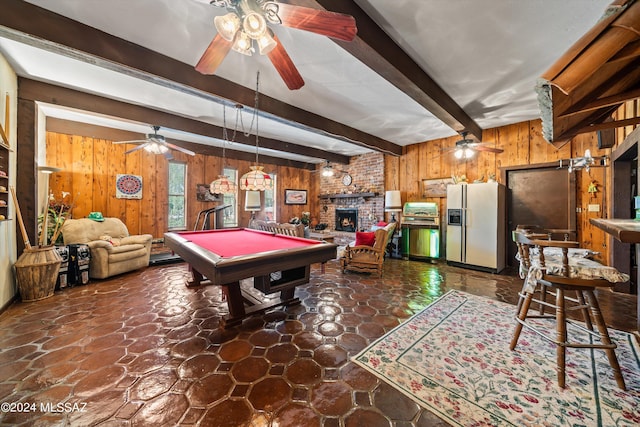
(542, 280)
(296, 230)
(366, 258)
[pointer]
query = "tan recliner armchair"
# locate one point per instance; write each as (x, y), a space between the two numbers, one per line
(368, 258)
(113, 250)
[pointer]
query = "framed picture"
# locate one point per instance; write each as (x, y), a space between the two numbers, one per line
(436, 187)
(204, 195)
(128, 186)
(295, 197)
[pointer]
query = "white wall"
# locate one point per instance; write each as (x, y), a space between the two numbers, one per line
(8, 85)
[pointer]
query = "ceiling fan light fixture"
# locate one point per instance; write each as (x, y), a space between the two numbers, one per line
(468, 153)
(459, 153)
(254, 25)
(327, 171)
(227, 25)
(266, 43)
(155, 148)
(242, 44)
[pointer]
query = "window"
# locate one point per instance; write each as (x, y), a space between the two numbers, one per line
(270, 200)
(177, 196)
(230, 216)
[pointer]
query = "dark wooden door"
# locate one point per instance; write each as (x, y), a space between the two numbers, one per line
(543, 196)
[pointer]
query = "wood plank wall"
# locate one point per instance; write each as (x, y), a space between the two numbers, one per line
(90, 165)
(523, 144)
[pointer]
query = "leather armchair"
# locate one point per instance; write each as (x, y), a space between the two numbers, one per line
(113, 250)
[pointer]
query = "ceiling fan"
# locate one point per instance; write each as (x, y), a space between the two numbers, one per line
(329, 170)
(155, 144)
(247, 21)
(585, 162)
(466, 148)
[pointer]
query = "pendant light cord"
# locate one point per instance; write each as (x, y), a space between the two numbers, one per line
(256, 112)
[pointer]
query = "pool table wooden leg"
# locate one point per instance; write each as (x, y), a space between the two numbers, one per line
(233, 295)
(198, 278)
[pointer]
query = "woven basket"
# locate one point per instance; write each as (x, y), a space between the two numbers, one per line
(37, 271)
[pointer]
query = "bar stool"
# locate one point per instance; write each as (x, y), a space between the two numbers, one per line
(539, 282)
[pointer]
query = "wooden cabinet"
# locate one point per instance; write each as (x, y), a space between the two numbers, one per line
(4, 182)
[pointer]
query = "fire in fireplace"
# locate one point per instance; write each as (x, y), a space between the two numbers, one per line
(346, 219)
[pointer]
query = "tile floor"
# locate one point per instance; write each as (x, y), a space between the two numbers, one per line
(142, 349)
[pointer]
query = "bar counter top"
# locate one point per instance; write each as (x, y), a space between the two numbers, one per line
(625, 230)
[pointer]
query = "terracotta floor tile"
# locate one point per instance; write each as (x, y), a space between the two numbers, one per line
(143, 349)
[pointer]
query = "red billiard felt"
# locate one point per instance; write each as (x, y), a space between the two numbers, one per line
(230, 243)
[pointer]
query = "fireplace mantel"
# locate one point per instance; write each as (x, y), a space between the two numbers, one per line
(331, 197)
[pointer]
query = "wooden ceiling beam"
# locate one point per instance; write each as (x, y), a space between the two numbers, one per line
(607, 101)
(57, 95)
(44, 29)
(610, 125)
(373, 47)
(611, 81)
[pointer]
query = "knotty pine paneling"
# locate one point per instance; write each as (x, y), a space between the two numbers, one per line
(523, 144)
(89, 168)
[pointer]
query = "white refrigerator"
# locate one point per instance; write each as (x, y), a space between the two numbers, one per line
(476, 226)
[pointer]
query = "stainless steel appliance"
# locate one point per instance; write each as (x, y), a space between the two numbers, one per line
(476, 226)
(420, 230)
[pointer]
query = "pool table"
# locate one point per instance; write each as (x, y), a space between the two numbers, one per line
(277, 263)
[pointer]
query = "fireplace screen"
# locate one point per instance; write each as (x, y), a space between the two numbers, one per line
(346, 219)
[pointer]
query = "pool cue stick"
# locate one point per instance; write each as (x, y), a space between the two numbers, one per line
(23, 230)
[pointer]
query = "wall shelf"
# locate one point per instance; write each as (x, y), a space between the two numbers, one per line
(331, 197)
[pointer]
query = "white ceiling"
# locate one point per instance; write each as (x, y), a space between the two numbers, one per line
(485, 54)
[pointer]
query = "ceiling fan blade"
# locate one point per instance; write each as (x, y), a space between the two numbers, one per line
(139, 147)
(285, 66)
(330, 24)
(488, 149)
(213, 55)
(445, 150)
(177, 148)
(135, 141)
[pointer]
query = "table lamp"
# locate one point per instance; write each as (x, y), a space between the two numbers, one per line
(392, 203)
(252, 204)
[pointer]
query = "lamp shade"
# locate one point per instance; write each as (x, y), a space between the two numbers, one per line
(254, 25)
(227, 26)
(222, 185)
(392, 201)
(252, 201)
(256, 180)
(266, 43)
(242, 44)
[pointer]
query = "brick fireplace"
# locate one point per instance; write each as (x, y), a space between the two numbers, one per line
(346, 219)
(365, 195)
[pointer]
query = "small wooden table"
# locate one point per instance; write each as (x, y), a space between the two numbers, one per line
(327, 237)
(626, 231)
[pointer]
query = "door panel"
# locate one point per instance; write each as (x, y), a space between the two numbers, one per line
(482, 224)
(540, 196)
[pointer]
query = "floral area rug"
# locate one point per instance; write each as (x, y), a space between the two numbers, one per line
(453, 358)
